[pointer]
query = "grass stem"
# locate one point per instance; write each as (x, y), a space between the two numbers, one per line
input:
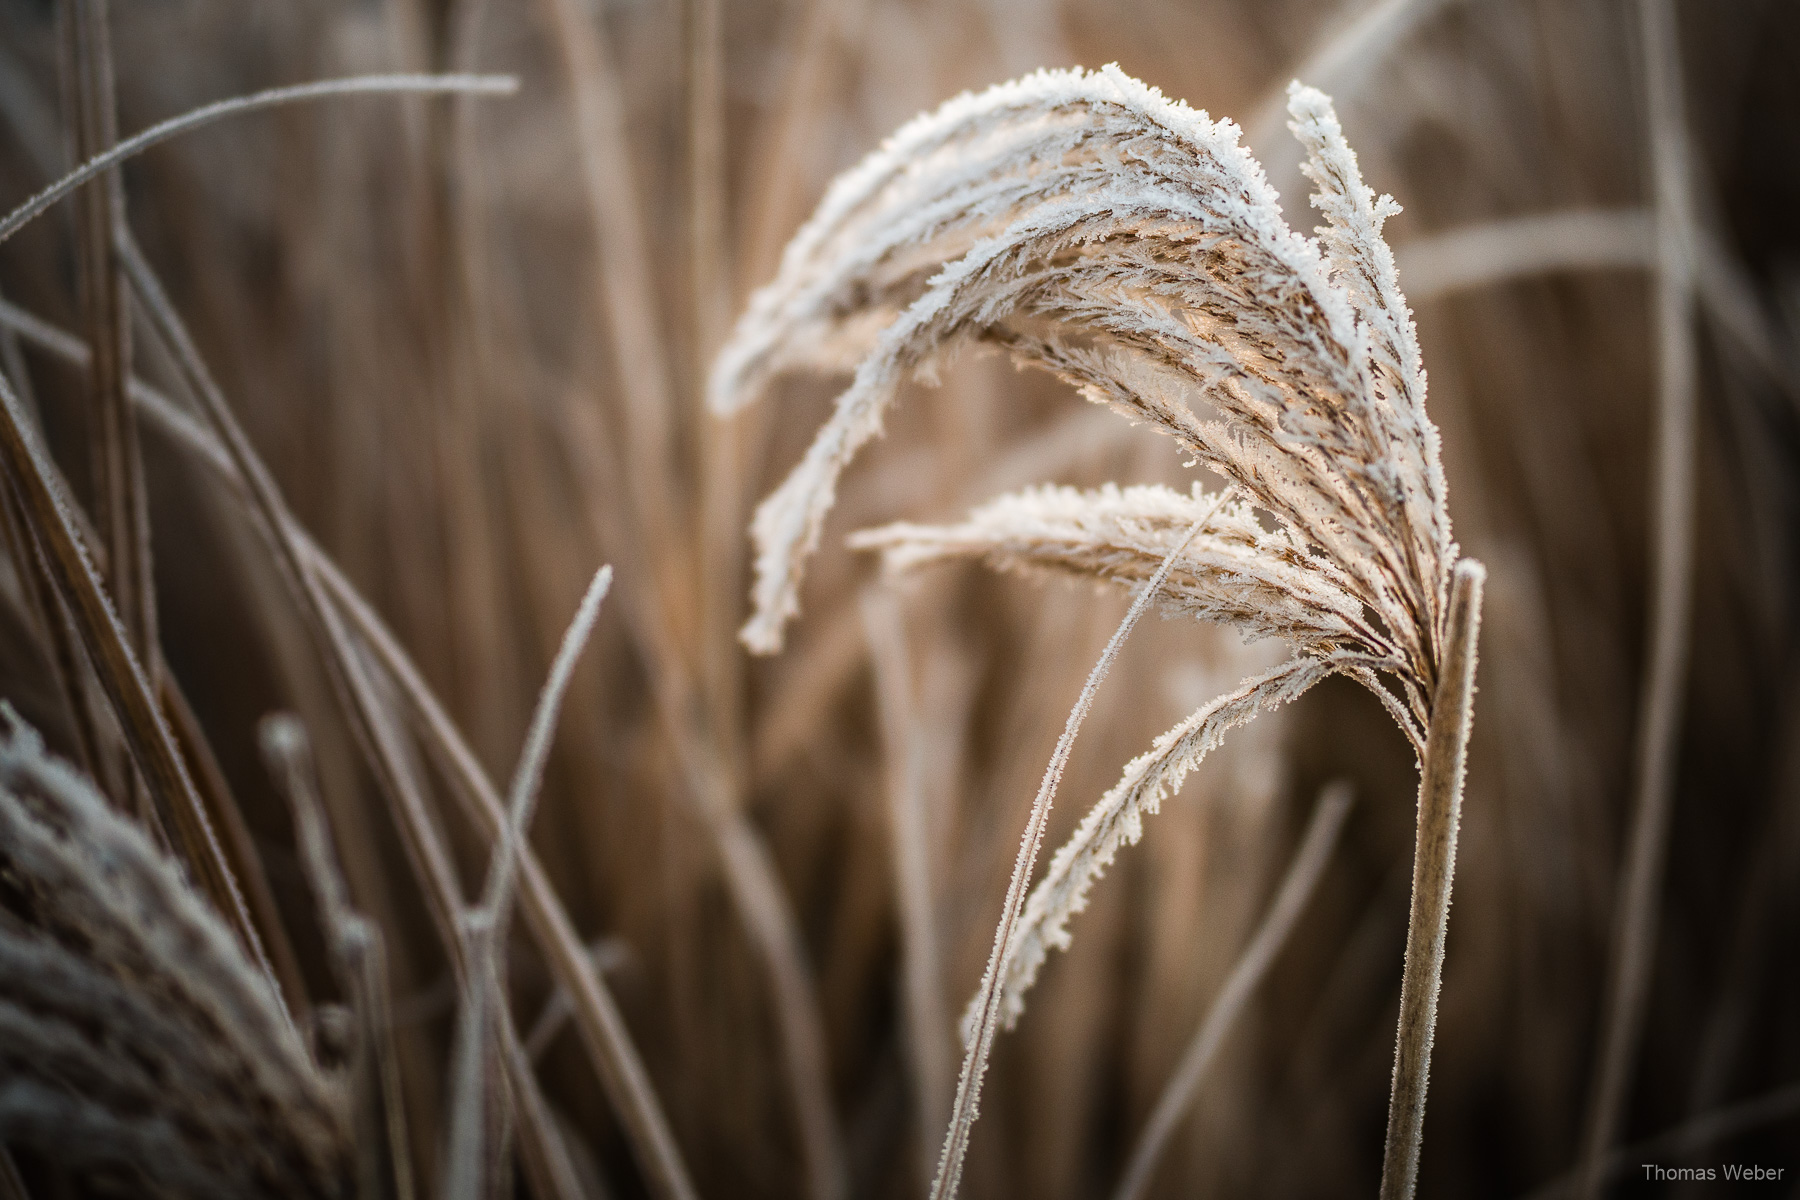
(1297, 886)
(361, 85)
(1434, 864)
(987, 1004)
(1633, 951)
(42, 497)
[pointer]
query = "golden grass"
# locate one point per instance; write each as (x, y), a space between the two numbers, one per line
(333, 410)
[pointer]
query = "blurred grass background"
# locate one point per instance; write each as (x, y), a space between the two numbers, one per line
(469, 337)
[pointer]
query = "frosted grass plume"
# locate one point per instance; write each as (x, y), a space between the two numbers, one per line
(1092, 227)
(1087, 225)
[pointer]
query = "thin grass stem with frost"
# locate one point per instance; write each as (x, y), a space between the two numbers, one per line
(985, 1009)
(307, 568)
(137, 143)
(479, 1147)
(1434, 866)
(358, 958)
(40, 493)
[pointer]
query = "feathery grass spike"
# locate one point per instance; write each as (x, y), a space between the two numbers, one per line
(1087, 225)
(1123, 241)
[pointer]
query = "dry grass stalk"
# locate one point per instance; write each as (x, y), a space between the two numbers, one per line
(477, 1150)
(137, 1038)
(479, 1147)
(242, 855)
(909, 815)
(359, 960)
(647, 548)
(1297, 886)
(118, 468)
(1090, 227)
(721, 517)
(982, 1021)
(503, 872)
(162, 131)
(625, 276)
(1434, 865)
(70, 677)
(363, 698)
(1639, 903)
(358, 691)
(1514, 247)
(72, 680)
(39, 492)
(602, 1029)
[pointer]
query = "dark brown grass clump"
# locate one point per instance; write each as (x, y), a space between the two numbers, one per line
(138, 1044)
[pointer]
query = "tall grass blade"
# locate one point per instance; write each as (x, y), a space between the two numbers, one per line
(1638, 905)
(359, 959)
(1296, 888)
(985, 1011)
(40, 494)
(137, 143)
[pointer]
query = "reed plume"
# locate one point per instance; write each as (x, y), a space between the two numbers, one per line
(139, 1046)
(1088, 226)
